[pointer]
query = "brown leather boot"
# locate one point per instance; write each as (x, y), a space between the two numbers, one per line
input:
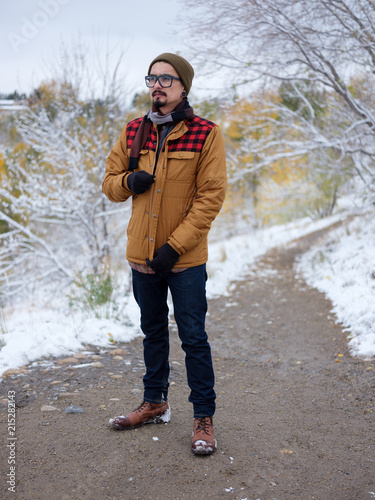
(146, 413)
(203, 442)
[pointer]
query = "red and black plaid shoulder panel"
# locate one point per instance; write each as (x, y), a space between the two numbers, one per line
(131, 131)
(194, 138)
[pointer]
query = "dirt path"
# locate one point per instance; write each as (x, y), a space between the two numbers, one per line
(295, 416)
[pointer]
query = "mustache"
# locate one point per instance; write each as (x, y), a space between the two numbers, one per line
(159, 92)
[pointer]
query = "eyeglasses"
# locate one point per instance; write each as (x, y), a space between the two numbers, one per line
(164, 80)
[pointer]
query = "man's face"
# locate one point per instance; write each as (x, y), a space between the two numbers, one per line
(165, 98)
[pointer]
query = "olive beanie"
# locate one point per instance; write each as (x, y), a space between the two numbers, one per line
(183, 68)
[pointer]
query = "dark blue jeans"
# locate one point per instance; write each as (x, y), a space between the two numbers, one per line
(188, 291)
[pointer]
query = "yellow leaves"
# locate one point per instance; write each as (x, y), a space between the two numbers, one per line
(253, 135)
(286, 451)
(234, 132)
(2, 166)
(248, 119)
(20, 148)
(51, 91)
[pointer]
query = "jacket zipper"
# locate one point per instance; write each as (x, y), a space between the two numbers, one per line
(152, 189)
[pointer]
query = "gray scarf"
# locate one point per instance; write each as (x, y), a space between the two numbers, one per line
(181, 112)
(159, 119)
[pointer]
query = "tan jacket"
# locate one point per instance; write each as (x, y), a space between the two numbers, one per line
(187, 195)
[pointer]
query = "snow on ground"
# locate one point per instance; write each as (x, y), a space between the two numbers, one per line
(229, 259)
(343, 267)
(29, 333)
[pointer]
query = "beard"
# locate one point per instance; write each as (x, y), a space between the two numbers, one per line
(158, 103)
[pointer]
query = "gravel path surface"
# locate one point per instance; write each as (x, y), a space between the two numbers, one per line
(295, 412)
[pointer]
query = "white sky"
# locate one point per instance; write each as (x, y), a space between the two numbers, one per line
(31, 32)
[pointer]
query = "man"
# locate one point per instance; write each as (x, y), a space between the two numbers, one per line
(172, 164)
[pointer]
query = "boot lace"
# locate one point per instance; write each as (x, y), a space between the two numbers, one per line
(141, 406)
(203, 424)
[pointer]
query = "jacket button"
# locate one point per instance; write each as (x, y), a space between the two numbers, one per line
(159, 190)
(147, 213)
(151, 239)
(154, 215)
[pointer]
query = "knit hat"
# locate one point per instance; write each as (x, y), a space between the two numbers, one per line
(183, 68)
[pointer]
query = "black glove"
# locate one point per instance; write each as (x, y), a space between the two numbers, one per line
(165, 258)
(139, 182)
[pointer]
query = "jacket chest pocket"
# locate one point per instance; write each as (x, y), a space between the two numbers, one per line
(146, 161)
(181, 165)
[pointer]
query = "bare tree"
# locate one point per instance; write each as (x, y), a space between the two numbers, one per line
(326, 43)
(57, 222)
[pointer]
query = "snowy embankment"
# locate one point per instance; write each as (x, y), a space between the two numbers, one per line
(343, 268)
(30, 332)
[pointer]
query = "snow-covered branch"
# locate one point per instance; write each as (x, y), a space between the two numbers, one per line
(327, 45)
(57, 221)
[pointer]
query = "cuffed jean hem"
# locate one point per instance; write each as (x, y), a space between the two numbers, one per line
(204, 410)
(203, 414)
(155, 399)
